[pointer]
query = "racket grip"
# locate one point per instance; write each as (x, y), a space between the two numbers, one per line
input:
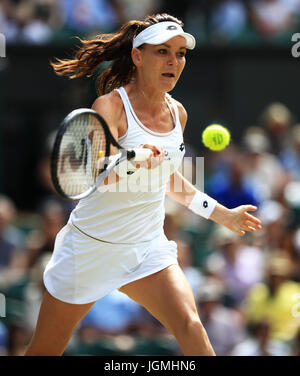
(141, 154)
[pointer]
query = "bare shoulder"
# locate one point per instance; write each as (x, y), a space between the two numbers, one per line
(110, 107)
(182, 114)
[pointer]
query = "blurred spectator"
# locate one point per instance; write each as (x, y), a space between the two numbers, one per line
(90, 15)
(37, 30)
(114, 314)
(292, 5)
(262, 169)
(276, 119)
(224, 326)
(291, 246)
(48, 194)
(185, 260)
(265, 172)
(212, 22)
(138, 9)
(240, 266)
(273, 300)
(290, 156)
(30, 22)
(274, 218)
(296, 241)
(228, 20)
(291, 195)
(19, 336)
(23, 298)
(117, 325)
(8, 22)
(41, 240)
(3, 339)
(12, 253)
(259, 343)
(233, 191)
(9, 232)
(34, 290)
(272, 17)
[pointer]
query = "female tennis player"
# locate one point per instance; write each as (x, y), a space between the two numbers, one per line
(115, 240)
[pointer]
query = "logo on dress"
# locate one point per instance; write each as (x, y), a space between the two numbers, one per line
(205, 204)
(181, 147)
(167, 157)
(172, 27)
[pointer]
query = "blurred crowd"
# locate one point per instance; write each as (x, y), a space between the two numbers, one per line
(213, 22)
(247, 288)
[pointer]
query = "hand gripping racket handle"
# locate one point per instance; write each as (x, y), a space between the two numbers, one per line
(139, 154)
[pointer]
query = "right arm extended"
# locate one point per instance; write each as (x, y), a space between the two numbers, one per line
(110, 107)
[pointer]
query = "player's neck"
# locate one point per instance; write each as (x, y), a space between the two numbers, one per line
(146, 97)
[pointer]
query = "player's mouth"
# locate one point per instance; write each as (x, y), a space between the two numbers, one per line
(169, 75)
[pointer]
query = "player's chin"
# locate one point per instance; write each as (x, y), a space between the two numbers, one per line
(168, 85)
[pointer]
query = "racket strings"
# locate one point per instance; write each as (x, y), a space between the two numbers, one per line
(82, 144)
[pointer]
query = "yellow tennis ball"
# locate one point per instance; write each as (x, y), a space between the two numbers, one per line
(216, 137)
(100, 154)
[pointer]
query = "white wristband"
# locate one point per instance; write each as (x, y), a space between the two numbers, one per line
(202, 204)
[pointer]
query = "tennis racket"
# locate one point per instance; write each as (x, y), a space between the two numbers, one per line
(80, 159)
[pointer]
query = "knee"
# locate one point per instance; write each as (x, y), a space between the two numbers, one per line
(190, 324)
(194, 325)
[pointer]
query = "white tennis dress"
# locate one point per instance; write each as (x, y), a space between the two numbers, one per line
(115, 236)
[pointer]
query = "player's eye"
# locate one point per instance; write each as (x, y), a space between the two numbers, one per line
(181, 54)
(162, 51)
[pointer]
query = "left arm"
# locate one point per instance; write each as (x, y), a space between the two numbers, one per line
(237, 220)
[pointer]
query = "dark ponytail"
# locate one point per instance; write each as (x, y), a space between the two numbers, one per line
(114, 47)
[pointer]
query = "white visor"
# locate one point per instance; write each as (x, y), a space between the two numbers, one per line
(161, 32)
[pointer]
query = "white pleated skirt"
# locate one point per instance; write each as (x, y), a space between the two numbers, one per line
(83, 269)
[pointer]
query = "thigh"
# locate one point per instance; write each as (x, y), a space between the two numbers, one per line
(56, 323)
(167, 295)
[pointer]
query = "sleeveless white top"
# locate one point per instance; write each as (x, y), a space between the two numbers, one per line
(132, 210)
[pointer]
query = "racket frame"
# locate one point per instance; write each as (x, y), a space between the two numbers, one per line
(108, 164)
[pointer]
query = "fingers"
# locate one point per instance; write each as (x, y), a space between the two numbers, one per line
(157, 156)
(244, 221)
(253, 221)
(156, 151)
(250, 207)
(248, 226)
(240, 232)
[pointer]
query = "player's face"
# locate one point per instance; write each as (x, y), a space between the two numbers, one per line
(161, 65)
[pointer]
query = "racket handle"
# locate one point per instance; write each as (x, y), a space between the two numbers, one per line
(139, 154)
